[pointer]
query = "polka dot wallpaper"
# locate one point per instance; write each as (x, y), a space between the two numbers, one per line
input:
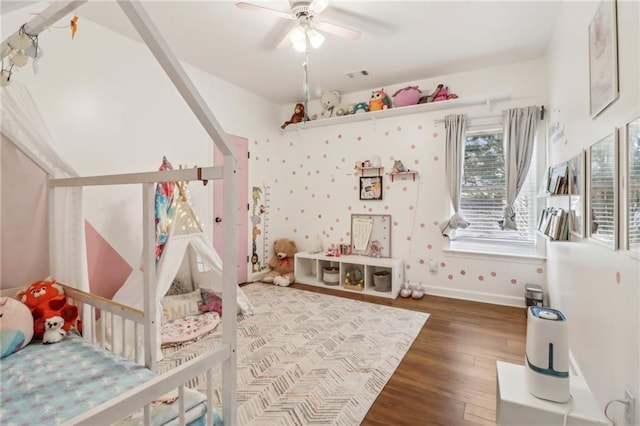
(314, 189)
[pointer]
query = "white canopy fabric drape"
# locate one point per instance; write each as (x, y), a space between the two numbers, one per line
(455, 127)
(22, 123)
(520, 126)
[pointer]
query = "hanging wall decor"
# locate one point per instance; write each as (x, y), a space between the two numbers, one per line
(632, 202)
(576, 195)
(603, 58)
(371, 188)
(603, 191)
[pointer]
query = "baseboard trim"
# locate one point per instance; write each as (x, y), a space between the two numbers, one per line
(475, 296)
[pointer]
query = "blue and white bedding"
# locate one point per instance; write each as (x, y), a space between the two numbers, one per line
(48, 384)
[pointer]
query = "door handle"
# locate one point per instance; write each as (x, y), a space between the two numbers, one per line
(218, 219)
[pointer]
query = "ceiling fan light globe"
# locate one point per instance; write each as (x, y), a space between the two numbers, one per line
(298, 39)
(20, 41)
(5, 78)
(20, 59)
(315, 38)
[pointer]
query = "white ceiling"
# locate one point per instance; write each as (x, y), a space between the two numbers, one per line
(401, 41)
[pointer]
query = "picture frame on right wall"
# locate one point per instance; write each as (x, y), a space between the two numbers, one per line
(602, 213)
(576, 195)
(632, 194)
(603, 57)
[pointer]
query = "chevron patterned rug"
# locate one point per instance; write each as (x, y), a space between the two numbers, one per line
(309, 358)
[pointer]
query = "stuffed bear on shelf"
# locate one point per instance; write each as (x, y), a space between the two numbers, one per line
(281, 263)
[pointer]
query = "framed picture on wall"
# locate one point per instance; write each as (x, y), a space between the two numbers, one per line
(576, 195)
(371, 188)
(632, 194)
(603, 58)
(603, 191)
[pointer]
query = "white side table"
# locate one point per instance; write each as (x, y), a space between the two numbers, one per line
(516, 406)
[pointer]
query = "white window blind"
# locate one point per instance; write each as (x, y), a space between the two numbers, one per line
(483, 192)
(634, 185)
(603, 191)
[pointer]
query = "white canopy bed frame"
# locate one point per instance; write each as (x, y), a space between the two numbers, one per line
(225, 355)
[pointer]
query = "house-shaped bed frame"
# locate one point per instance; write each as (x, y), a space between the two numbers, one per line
(226, 353)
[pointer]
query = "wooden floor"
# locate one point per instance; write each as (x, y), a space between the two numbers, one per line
(448, 376)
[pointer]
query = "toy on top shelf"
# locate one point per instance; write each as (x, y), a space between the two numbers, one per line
(360, 108)
(331, 106)
(297, 117)
(429, 98)
(443, 95)
(399, 169)
(379, 100)
(406, 96)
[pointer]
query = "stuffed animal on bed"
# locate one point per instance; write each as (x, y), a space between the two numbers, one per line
(16, 326)
(46, 299)
(281, 263)
(53, 331)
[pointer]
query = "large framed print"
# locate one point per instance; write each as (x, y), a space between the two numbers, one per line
(603, 58)
(603, 191)
(576, 195)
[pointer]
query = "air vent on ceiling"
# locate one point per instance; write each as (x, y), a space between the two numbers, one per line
(357, 74)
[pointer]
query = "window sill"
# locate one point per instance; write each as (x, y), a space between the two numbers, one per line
(478, 250)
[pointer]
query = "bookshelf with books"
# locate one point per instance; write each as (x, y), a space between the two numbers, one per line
(553, 223)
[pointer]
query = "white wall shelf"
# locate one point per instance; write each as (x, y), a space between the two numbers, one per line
(309, 270)
(394, 112)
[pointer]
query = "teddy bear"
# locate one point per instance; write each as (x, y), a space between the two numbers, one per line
(46, 299)
(331, 106)
(281, 263)
(297, 117)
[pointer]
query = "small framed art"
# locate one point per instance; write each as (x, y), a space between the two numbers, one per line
(371, 188)
(603, 191)
(603, 58)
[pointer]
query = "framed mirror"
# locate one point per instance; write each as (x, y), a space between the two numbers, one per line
(632, 211)
(603, 191)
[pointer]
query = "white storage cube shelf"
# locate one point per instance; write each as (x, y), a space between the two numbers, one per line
(309, 270)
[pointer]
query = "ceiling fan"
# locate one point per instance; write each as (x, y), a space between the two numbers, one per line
(307, 26)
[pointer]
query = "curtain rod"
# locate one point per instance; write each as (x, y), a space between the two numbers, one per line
(485, 117)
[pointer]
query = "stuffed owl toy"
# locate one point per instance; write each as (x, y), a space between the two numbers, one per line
(53, 332)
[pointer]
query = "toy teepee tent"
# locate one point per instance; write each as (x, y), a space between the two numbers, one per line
(183, 253)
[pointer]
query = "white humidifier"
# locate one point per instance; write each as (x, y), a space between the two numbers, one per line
(547, 354)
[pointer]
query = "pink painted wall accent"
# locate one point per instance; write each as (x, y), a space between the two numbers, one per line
(107, 269)
(24, 240)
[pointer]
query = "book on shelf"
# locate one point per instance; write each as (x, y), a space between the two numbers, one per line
(554, 223)
(558, 181)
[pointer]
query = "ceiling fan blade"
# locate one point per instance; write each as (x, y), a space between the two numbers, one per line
(338, 30)
(254, 7)
(318, 6)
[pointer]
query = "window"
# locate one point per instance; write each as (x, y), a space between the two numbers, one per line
(483, 192)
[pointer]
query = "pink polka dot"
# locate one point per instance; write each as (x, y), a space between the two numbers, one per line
(399, 128)
(337, 220)
(450, 276)
(421, 261)
(286, 218)
(284, 161)
(295, 230)
(370, 209)
(308, 173)
(436, 158)
(257, 158)
(313, 195)
(308, 157)
(429, 246)
(410, 207)
(293, 172)
(422, 225)
(409, 238)
(395, 223)
(306, 237)
(419, 127)
(319, 216)
(386, 133)
(328, 195)
(331, 228)
(435, 135)
(324, 155)
(359, 138)
(514, 281)
(255, 142)
(463, 272)
(301, 210)
(349, 208)
(435, 222)
(618, 277)
(481, 277)
(539, 270)
(442, 264)
(386, 207)
(290, 143)
(493, 274)
(416, 161)
(413, 146)
(404, 189)
(339, 136)
(408, 266)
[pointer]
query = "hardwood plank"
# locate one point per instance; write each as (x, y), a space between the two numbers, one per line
(448, 375)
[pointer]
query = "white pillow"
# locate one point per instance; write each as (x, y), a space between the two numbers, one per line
(180, 305)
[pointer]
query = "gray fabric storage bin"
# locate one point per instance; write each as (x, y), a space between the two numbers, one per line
(382, 281)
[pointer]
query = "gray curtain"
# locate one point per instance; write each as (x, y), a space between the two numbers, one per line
(519, 135)
(455, 128)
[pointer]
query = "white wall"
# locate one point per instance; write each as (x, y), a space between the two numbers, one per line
(314, 189)
(597, 288)
(111, 109)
